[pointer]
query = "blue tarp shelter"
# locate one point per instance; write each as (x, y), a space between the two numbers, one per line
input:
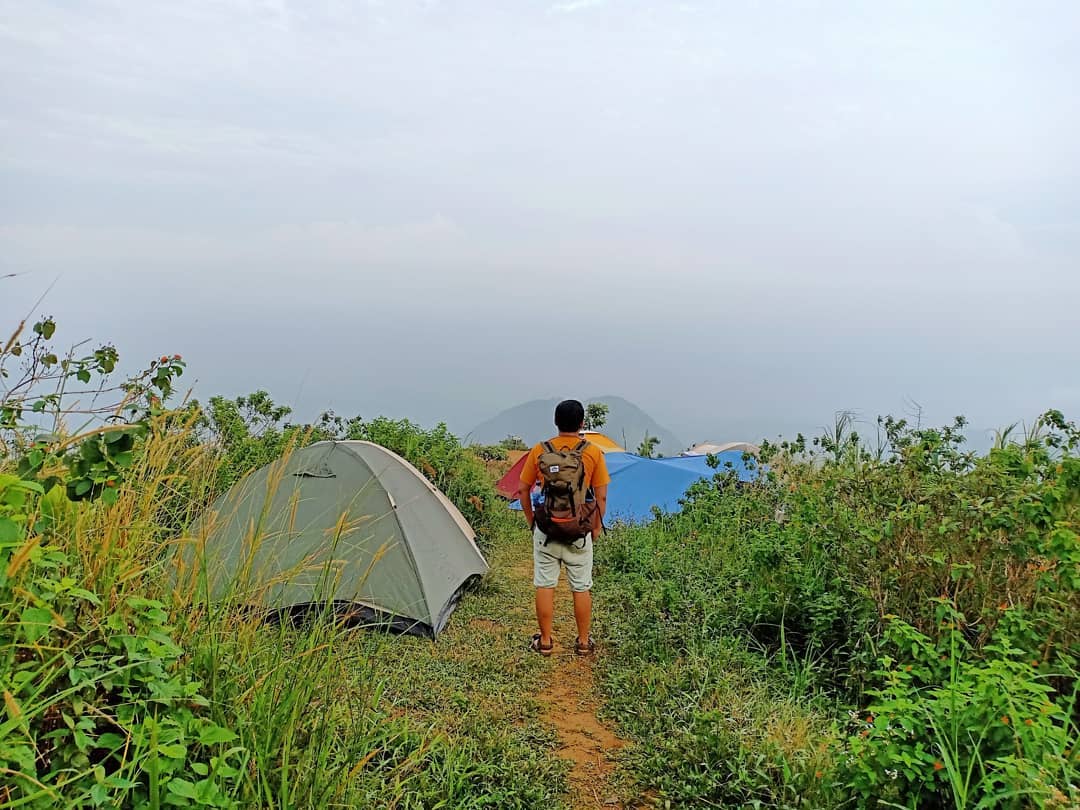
(638, 484)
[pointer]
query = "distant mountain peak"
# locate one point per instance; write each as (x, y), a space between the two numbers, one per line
(533, 421)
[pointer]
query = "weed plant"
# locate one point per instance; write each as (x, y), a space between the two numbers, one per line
(894, 625)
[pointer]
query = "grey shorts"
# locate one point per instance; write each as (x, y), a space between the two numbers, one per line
(547, 560)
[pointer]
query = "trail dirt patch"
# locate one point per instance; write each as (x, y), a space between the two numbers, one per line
(569, 700)
(570, 706)
(569, 703)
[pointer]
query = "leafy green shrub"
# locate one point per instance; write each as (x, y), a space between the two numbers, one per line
(818, 570)
(514, 443)
(98, 710)
(489, 452)
(951, 729)
(250, 432)
(863, 536)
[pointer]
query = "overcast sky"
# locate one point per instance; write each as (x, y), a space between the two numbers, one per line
(741, 216)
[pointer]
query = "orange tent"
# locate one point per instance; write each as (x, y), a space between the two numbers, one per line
(509, 483)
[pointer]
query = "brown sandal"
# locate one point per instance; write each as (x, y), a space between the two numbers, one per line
(586, 648)
(536, 646)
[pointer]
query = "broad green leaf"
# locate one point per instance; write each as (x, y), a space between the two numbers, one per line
(111, 740)
(182, 787)
(13, 498)
(55, 505)
(8, 480)
(23, 756)
(173, 751)
(99, 794)
(213, 735)
(10, 531)
(35, 623)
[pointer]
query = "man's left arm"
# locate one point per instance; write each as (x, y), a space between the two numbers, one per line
(600, 493)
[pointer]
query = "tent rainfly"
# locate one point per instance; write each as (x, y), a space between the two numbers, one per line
(348, 523)
(709, 448)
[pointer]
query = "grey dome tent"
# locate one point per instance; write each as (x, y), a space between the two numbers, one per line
(344, 522)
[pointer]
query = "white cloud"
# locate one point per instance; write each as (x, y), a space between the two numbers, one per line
(574, 6)
(863, 177)
(315, 243)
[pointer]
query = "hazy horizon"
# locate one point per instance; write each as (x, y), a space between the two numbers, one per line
(740, 219)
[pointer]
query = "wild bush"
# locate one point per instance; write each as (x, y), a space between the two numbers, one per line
(97, 703)
(833, 570)
(489, 452)
(949, 728)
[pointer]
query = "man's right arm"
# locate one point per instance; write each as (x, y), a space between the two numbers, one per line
(525, 485)
(600, 480)
(525, 496)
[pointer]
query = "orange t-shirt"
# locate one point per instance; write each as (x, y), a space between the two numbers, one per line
(592, 458)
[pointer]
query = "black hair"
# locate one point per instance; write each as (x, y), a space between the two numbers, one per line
(569, 416)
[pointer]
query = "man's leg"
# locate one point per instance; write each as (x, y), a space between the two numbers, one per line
(583, 614)
(545, 578)
(579, 571)
(545, 613)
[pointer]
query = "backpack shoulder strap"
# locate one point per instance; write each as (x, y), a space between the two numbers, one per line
(548, 447)
(580, 447)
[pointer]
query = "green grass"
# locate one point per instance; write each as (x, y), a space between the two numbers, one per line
(718, 723)
(377, 720)
(478, 685)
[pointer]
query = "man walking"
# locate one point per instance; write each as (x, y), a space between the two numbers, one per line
(574, 480)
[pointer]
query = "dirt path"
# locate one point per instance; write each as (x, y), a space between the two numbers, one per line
(570, 703)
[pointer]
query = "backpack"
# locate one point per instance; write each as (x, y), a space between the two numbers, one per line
(566, 515)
